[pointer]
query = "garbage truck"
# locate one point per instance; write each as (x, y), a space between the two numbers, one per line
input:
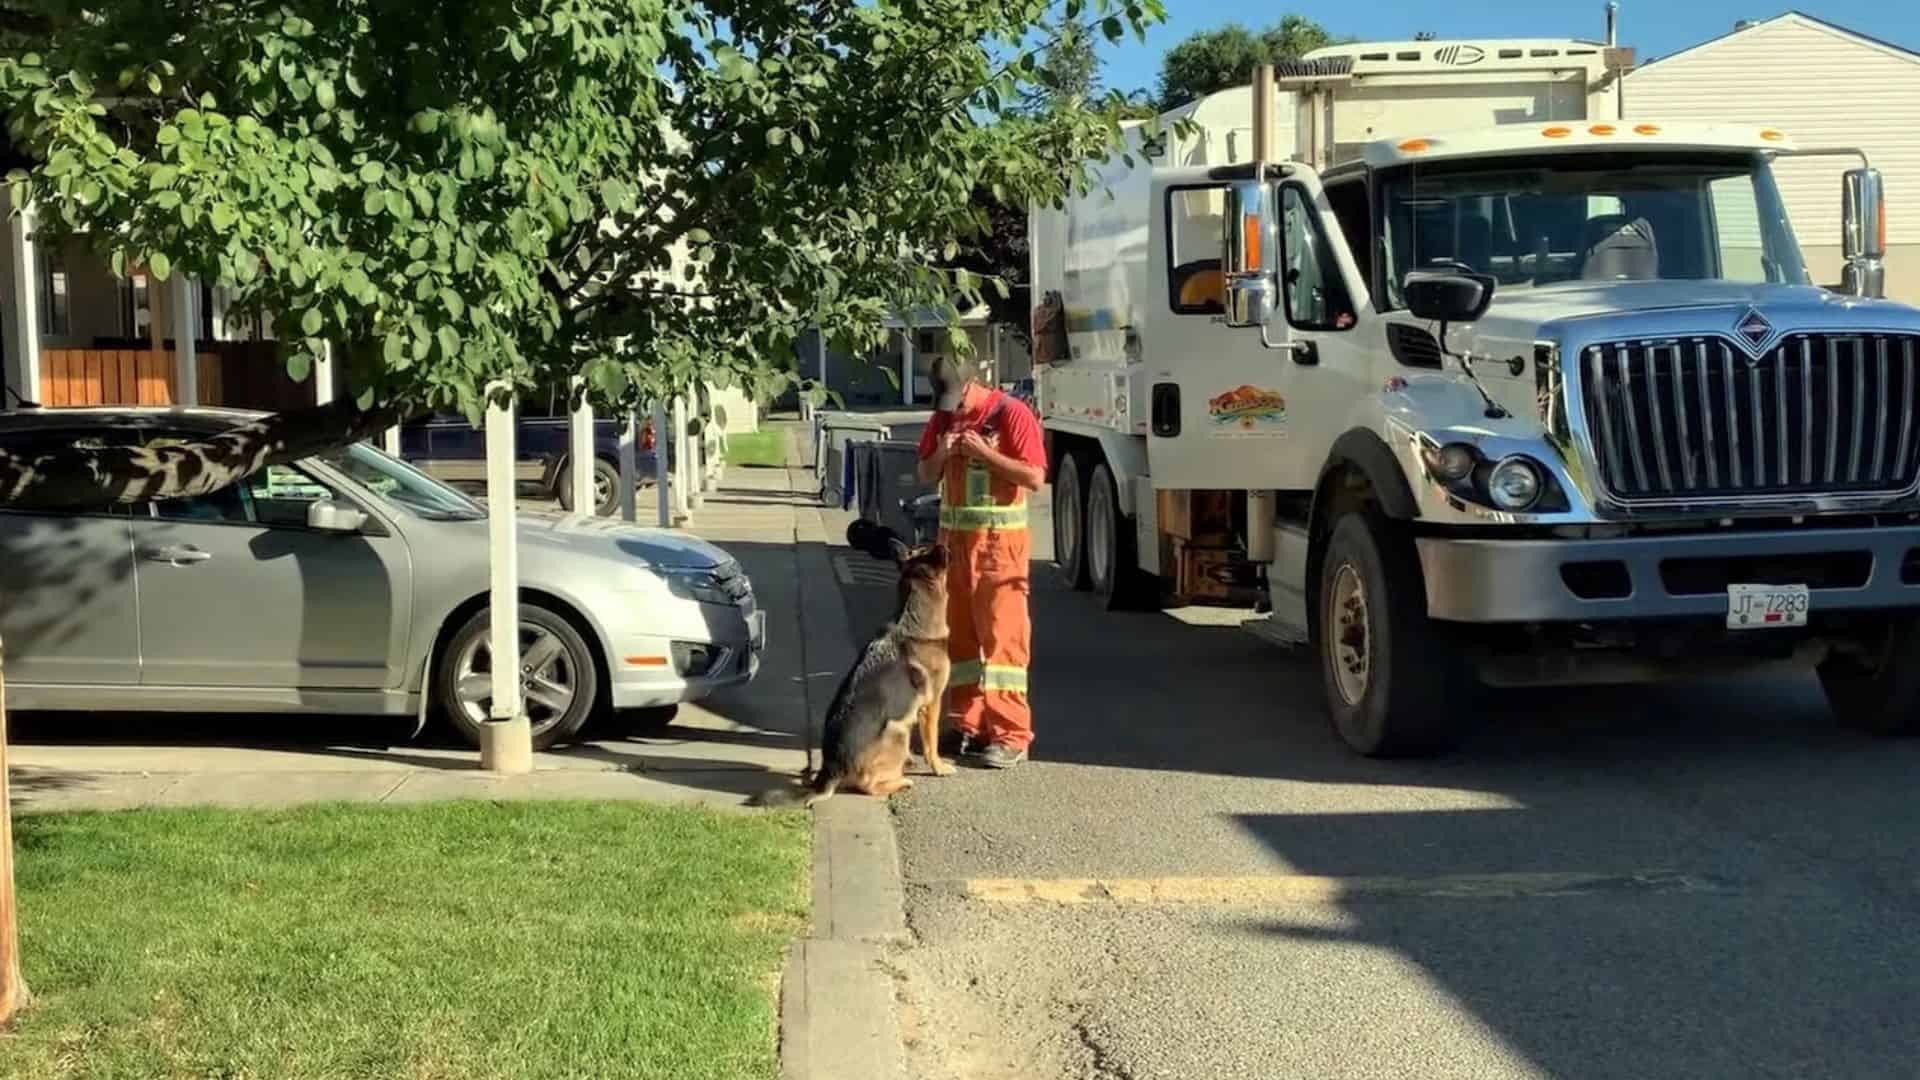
(1476, 384)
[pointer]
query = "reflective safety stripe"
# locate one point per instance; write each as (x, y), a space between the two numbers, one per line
(966, 673)
(1004, 677)
(981, 518)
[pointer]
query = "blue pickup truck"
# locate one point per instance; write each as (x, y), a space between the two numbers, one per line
(455, 451)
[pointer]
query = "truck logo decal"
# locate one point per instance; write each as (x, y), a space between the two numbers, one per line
(1460, 55)
(1248, 410)
(1755, 332)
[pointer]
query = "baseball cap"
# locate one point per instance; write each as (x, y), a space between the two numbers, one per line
(949, 381)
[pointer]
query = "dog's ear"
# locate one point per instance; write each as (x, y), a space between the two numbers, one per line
(901, 552)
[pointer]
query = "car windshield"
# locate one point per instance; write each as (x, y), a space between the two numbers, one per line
(1590, 219)
(402, 484)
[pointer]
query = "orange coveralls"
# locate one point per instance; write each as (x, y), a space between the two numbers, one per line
(983, 522)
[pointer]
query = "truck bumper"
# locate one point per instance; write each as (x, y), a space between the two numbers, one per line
(1657, 577)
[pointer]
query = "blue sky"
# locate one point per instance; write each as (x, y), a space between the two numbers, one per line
(1652, 28)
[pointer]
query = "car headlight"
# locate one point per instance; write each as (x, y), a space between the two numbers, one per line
(701, 585)
(1514, 484)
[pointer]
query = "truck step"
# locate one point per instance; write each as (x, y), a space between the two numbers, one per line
(1275, 632)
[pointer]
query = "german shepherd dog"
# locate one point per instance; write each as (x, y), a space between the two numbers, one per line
(899, 680)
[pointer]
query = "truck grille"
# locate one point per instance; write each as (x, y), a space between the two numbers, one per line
(1701, 417)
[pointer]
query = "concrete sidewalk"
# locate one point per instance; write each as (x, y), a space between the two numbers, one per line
(717, 752)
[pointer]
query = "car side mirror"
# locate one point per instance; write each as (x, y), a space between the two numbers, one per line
(326, 515)
(1447, 296)
(1863, 232)
(1248, 245)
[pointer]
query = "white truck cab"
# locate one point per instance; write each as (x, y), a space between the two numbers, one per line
(1548, 400)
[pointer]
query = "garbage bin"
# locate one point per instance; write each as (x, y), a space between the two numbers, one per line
(838, 482)
(889, 478)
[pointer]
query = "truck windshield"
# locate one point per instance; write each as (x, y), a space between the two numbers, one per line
(1590, 219)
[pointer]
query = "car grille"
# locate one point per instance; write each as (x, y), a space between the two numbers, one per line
(1701, 417)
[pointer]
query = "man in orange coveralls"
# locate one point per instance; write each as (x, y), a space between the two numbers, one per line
(985, 450)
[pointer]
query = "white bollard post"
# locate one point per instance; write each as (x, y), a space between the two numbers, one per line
(682, 446)
(506, 742)
(662, 475)
(580, 457)
(907, 345)
(186, 327)
(629, 467)
(323, 375)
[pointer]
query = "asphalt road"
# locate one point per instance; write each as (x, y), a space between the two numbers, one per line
(1706, 880)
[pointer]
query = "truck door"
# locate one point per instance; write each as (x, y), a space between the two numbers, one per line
(1229, 409)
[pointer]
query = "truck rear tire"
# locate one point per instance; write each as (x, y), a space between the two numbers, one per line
(1882, 695)
(1070, 520)
(1113, 567)
(606, 488)
(1389, 673)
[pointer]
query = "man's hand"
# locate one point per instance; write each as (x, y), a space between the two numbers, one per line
(975, 445)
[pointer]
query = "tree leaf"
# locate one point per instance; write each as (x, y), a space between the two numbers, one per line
(160, 265)
(311, 321)
(455, 306)
(371, 172)
(299, 365)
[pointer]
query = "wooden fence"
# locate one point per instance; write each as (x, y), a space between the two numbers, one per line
(238, 374)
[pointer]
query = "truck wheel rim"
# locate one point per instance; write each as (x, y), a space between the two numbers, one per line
(1351, 641)
(548, 681)
(602, 488)
(1066, 517)
(1099, 535)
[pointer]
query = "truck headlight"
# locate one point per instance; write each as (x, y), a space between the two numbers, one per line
(701, 585)
(1452, 462)
(1514, 484)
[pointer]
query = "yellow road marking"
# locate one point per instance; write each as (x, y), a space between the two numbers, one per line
(1312, 889)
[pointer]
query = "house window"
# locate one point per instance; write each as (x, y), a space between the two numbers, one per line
(928, 343)
(55, 314)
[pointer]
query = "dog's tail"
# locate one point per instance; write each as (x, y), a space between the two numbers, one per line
(803, 794)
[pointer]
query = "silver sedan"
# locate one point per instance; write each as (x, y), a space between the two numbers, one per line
(349, 583)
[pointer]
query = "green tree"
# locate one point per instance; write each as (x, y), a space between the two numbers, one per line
(1214, 60)
(451, 192)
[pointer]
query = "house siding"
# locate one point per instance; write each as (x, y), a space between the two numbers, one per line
(1824, 88)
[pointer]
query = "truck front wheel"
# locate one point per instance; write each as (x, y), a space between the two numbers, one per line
(1388, 672)
(1880, 693)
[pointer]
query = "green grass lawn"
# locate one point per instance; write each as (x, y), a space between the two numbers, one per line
(763, 448)
(463, 940)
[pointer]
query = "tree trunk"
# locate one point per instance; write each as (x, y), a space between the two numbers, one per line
(13, 986)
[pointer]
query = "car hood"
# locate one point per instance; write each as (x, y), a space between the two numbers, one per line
(579, 535)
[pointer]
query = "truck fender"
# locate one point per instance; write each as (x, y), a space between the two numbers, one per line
(1362, 451)
(1367, 452)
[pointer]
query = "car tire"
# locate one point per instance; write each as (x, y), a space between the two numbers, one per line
(1880, 695)
(1113, 569)
(606, 487)
(1392, 680)
(1070, 521)
(461, 684)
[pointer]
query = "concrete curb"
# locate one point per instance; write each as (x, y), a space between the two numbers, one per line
(836, 999)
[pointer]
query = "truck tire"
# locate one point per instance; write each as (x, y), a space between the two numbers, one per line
(1113, 569)
(1070, 520)
(1389, 673)
(1880, 696)
(606, 487)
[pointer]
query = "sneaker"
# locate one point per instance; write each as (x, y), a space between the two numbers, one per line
(1001, 756)
(959, 744)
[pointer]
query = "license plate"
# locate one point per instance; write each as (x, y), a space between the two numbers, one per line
(1767, 607)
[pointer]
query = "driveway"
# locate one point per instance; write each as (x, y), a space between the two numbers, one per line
(1194, 879)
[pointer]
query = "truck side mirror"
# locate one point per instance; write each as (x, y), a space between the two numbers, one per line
(1248, 245)
(1863, 232)
(1447, 296)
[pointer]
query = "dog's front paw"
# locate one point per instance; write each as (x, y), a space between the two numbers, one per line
(942, 768)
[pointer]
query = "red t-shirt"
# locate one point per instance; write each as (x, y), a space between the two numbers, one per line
(1019, 432)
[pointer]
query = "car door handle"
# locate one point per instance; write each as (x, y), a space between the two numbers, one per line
(182, 555)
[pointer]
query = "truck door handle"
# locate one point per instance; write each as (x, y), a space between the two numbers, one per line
(181, 555)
